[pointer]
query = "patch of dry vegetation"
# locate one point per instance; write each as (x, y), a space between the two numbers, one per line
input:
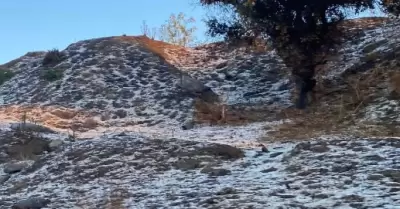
(338, 110)
(51, 116)
(157, 47)
(223, 114)
(116, 199)
(394, 85)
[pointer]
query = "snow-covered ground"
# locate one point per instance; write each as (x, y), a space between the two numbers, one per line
(153, 163)
(141, 172)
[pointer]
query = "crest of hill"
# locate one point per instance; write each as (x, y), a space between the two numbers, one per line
(131, 79)
(110, 76)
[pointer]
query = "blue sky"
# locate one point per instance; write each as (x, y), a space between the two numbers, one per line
(33, 25)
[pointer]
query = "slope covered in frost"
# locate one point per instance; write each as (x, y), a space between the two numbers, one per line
(163, 166)
(141, 172)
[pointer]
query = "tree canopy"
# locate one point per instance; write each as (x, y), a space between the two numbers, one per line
(392, 7)
(301, 31)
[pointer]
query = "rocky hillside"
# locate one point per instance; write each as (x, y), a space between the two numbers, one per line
(118, 79)
(131, 171)
(116, 127)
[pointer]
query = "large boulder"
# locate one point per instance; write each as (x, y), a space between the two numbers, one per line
(198, 88)
(11, 168)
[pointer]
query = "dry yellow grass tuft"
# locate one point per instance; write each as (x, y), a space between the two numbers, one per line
(157, 47)
(51, 116)
(337, 111)
(394, 82)
(223, 114)
(116, 199)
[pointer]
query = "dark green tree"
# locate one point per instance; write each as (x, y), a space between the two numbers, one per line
(301, 31)
(391, 7)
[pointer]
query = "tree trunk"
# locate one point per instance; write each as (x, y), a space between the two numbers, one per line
(305, 84)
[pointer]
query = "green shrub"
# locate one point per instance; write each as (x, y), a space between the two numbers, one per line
(53, 57)
(51, 74)
(5, 75)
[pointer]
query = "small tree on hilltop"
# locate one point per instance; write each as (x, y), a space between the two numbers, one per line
(146, 31)
(302, 32)
(177, 30)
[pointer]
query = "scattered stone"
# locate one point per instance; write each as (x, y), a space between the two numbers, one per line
(394, 190)
(11, 168)
(353, 198)
(285, 196)
(307, 182)
(187, 125)
(305, 173)
(268, 170)
(305, 193)
(395, 143)
(356, 205)
(31, 203)
(391, 184)
(188, 164)
(348, 181)
(360, 149)
(55, 144)
(264, 149)
(320, 148)
(223, 150)
(293, 168)
(221, 65)
(375, 177)
(226, 191)
(215, 171)
(321, 196)
(300, 147)
(371, 47)
(245, 164)
(275, 154)
(314, 186)
(343, 168)
(392, 174)
(4, 178)
(211, 201)
(259, 154)
(121, 113)
(374, 158)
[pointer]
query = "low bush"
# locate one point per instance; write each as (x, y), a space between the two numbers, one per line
(51, 74)
(5, 75)
(53, 57)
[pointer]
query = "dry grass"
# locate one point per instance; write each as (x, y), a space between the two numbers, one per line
(113, 200)
(51, 116)
(222, 114)
(363, 23)
(337, 111)
(116, 199)
(307, 125)
(394, 82)
(157, 47)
